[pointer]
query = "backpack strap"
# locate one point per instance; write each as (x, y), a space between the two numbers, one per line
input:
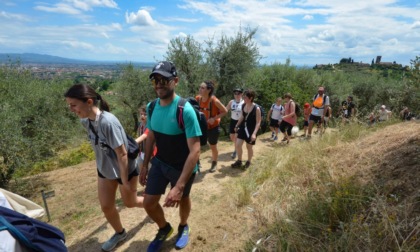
(94, 132)
(5, 225)
(180, 113)
(151, 108)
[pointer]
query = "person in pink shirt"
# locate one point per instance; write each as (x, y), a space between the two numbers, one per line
(289, 118)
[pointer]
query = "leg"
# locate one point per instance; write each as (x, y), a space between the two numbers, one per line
(154, 209)
(214, 152)
(311, 124)
(250, 151)
(239, 143)
(130, 198)
(106, 193)
(184, 210)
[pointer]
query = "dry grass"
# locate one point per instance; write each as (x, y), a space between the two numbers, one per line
(355, 189)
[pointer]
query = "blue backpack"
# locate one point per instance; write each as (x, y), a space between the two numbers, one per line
(31, 233)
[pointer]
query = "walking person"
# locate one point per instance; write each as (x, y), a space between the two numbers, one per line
(247, 128)
(289, 118)
(175, 162)
(235, 106)
(274, 117)
(142, 132)
(306, 114)
(214, 110)
(320, 102)
(109, 142)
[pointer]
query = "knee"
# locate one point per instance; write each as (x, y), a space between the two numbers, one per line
(106, 209)
(149, 204)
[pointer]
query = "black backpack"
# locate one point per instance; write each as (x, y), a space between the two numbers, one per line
(298, 110)
(202, 121)
(133, 149)
(263, 125)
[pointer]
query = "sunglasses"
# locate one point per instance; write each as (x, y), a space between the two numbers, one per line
(162, 81)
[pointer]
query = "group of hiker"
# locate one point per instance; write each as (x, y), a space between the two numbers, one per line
(170, 136)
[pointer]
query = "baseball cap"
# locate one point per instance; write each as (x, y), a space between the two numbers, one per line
(306, 105)
(165, 68)
(383, 106)
(238, 90)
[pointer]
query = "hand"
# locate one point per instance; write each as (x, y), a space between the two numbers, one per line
(143, 176)
(211, 120)
(253, 137)
(173, 198)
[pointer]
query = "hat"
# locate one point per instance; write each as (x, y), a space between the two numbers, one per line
(383, 106)
(165, 68)
(306, 105)
(238, 90)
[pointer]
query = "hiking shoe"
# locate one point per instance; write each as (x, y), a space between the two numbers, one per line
(213, 166)
(233, 156)
(272, 134)
(237, 164)
(113, 241)
(183, 237)
(161, 236)
(247, 164)
(275, 138)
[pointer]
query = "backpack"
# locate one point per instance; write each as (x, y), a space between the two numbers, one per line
(133, 148)
(263, 125)
(202, 121)
(298, 110)
(31, 233)
(323, 101)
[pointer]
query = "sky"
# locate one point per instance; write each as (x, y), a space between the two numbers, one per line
(307, 32)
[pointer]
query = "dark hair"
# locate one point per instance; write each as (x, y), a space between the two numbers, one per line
(210, 85)
(84, 92)
(250, 94)
(350, 97)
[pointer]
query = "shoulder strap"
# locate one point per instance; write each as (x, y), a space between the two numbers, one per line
(151, 108)
(180, 113)
(94, 132)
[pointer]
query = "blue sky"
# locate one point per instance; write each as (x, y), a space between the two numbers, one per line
(308, 32)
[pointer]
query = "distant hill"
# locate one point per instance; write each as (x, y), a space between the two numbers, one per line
(34, 58)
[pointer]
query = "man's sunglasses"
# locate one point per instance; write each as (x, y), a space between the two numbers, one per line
(162, 81)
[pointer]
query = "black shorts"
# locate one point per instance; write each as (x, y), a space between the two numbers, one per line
(232, 126)
(274, 123)
(130, 176)
(242, 135)
(305, 123)
(316, 119)
(213, 135)
(161, 174)
(286, 126)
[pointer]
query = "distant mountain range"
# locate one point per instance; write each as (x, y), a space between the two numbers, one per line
(34, 58)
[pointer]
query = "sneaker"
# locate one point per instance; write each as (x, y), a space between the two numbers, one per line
(284, 139)
(237, 164)
(275, 138)
(183, 237)
(113, 241)
(213, 166)
(247, 164)
(272, 134)
(233, 156)
(161, 236)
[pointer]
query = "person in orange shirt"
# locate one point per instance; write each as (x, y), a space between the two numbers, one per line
(214, 110)
(306, 114)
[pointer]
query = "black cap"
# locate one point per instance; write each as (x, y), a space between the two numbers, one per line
(238, 90)
(165, 68)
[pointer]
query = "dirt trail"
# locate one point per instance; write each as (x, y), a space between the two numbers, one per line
(215, 225)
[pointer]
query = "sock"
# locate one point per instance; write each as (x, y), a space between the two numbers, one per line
(122, 232)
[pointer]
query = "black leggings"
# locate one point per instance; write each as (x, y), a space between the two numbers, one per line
(284, 125)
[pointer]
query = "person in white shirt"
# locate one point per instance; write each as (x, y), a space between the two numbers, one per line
(235, 106)
(275, 116)
(384, 114)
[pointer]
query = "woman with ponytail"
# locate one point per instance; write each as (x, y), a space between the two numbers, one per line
(114, 168)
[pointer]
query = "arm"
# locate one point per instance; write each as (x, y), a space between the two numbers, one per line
(257, 125)
(229, 106)
(241, 118)
(147, 155)
(175, 194)
(123, 166)
(269, 113)
(141, 138)
(222, 111)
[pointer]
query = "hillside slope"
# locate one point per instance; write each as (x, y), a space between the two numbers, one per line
(389, 157)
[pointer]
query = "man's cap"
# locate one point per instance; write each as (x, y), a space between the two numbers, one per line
(238, 90)
(383, 106)
(306, 105)
(165, 68)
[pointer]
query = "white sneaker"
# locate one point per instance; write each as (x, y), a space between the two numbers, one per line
(113, 241)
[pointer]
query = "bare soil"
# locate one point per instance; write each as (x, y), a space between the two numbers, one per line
(216, 223)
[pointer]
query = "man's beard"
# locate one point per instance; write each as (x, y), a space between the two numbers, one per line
(169, 94)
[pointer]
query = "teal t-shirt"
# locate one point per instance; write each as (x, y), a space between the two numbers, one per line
(171, 141)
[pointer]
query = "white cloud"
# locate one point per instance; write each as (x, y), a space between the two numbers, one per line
(308, 17)
(59, 8)
(79, 45)
(75, 7)
(141, 18)
(13, 17)
(415, 25)
(87, 5)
